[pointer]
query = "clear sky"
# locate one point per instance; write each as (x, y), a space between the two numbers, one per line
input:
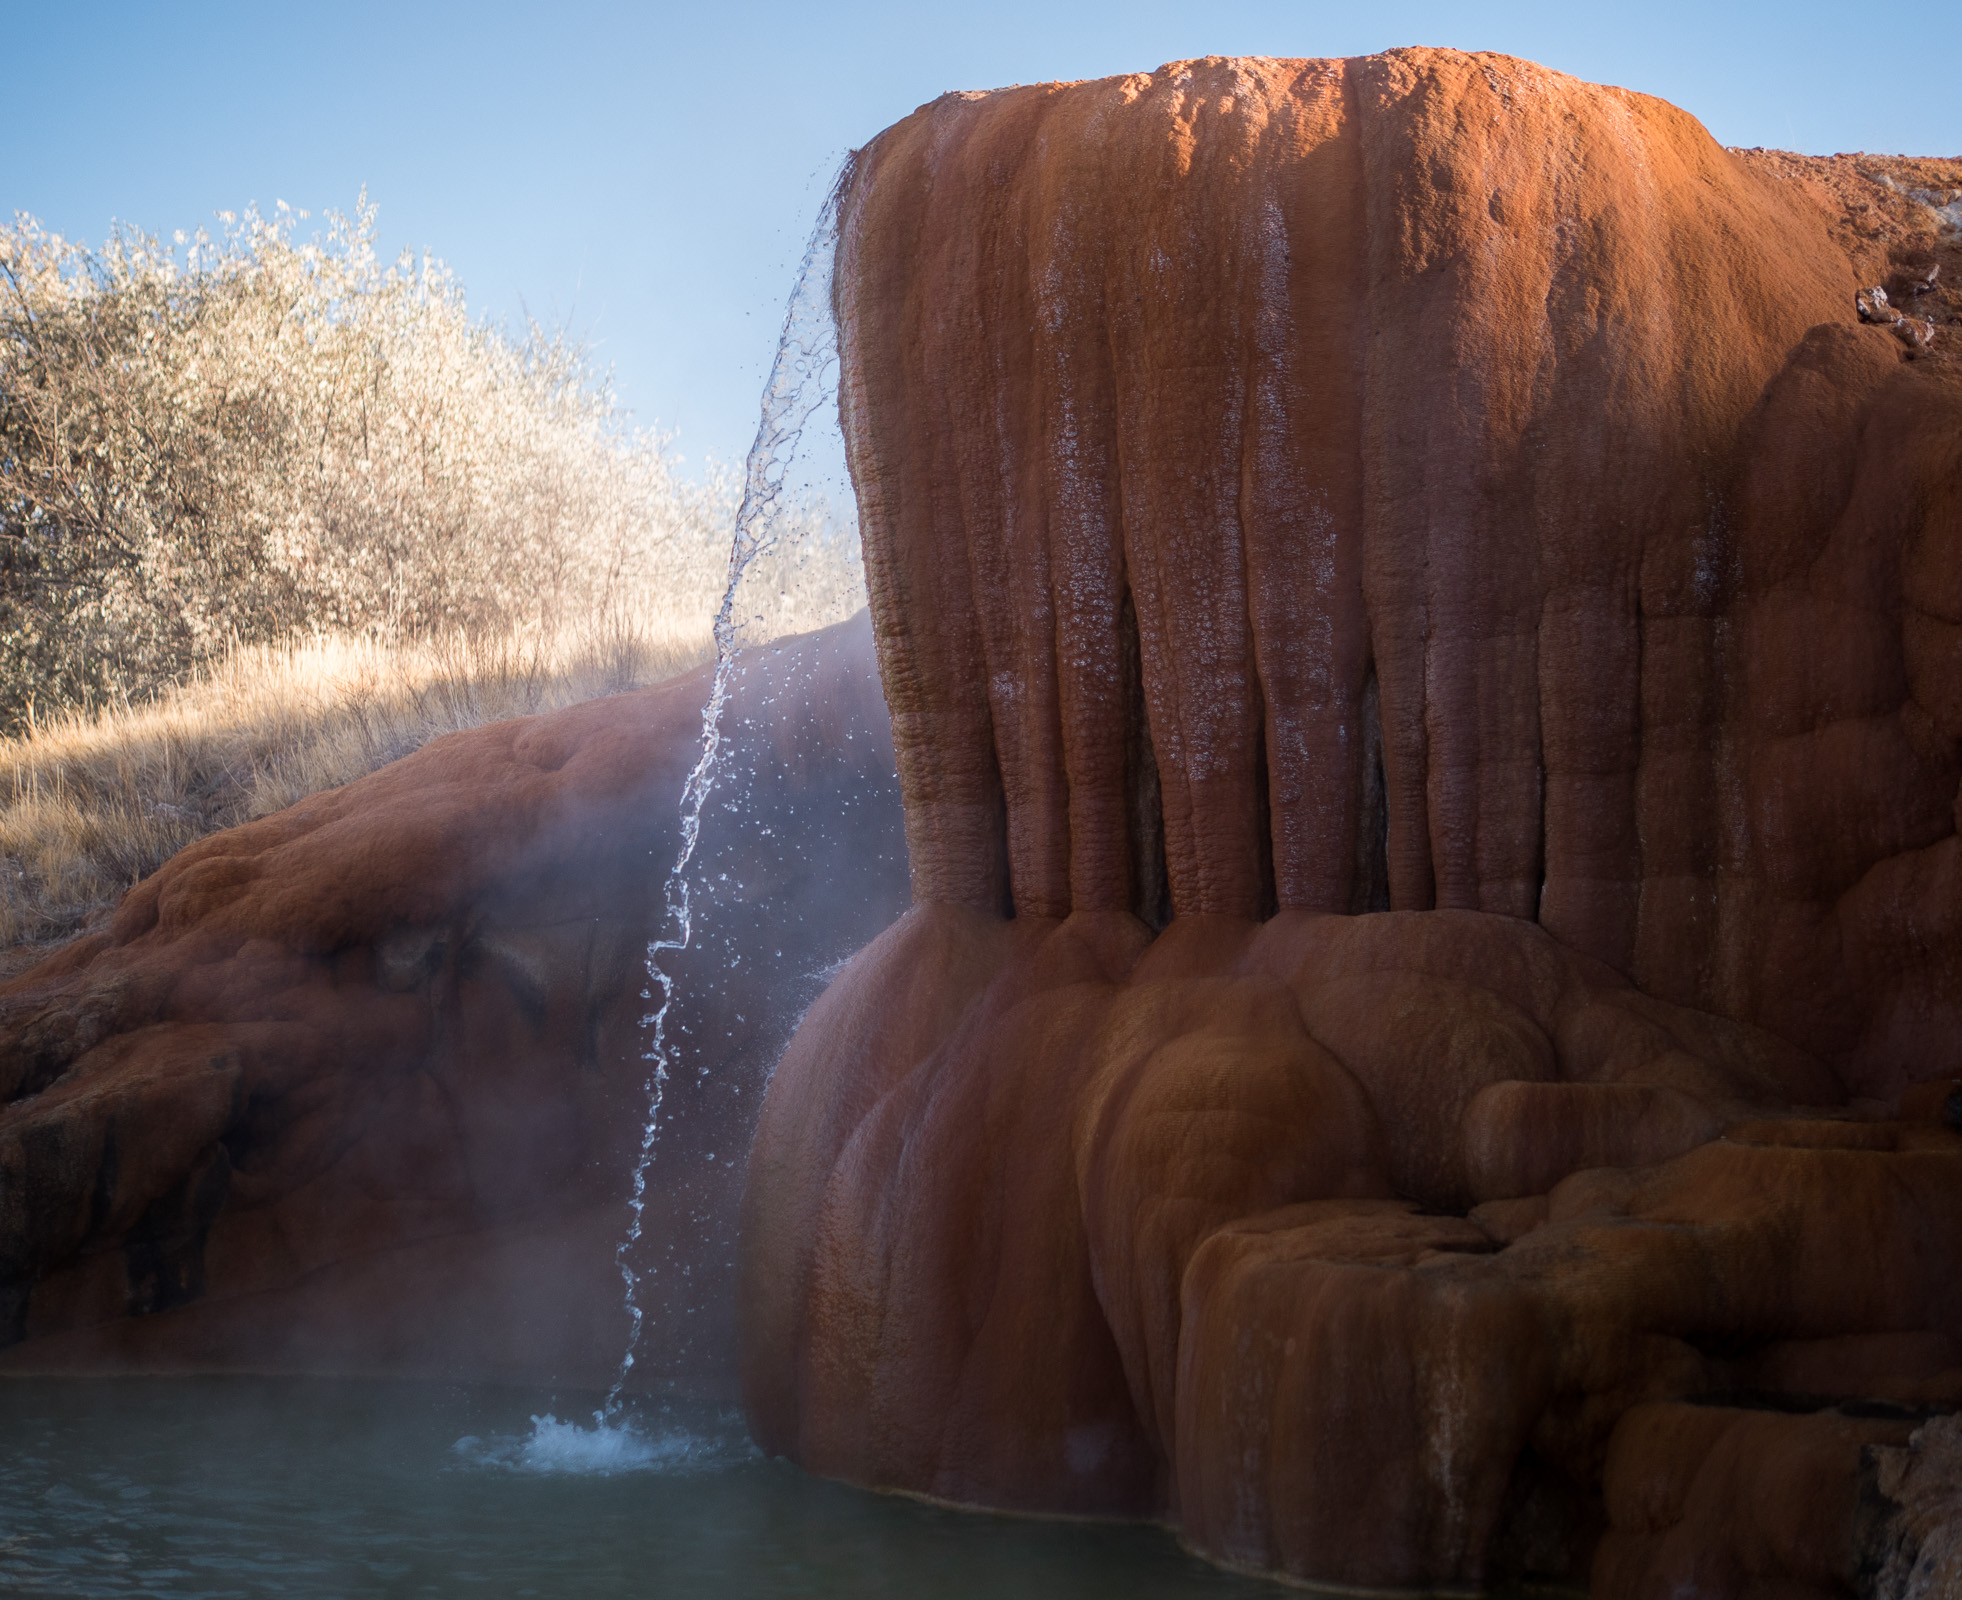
(648, 172)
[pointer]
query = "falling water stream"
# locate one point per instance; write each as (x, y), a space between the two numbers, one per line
(805, 352)
(800, 381)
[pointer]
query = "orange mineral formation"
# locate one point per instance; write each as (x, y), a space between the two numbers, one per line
(356, 1088)
(1424, 643)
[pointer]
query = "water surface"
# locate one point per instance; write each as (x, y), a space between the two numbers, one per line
(291, 1487)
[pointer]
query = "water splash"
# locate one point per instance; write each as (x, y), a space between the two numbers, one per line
(806, 351)
(554, 1447)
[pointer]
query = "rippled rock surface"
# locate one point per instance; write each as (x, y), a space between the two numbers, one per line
(1424, 644)
(356, 1088)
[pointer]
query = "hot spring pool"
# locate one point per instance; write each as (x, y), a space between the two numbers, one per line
(248, 1487)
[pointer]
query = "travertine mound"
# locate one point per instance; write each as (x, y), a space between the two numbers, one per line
(357, 1087)
(1433, 538)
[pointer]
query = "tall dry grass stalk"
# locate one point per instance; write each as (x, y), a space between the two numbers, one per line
(90, 803)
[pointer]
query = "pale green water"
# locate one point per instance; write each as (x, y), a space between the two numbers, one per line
(249, 1487)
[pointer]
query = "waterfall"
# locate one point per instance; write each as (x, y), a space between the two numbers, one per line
(806, 350)
(799, 383)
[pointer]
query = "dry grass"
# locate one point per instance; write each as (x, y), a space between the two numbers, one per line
(91, 803)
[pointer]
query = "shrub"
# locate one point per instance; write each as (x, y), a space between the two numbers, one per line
(236, 440)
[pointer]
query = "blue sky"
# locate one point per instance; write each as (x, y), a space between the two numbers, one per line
(648, 172)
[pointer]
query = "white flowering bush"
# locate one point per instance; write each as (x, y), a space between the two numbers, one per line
(241, 438)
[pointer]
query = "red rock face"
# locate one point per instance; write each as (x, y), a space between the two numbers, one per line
(356, 1088)
(1431, 537)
